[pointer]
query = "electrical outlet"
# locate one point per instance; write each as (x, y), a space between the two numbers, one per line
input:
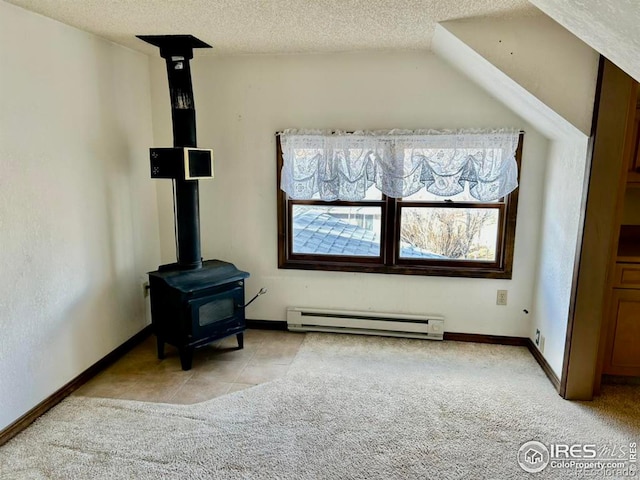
(501, 298)
(537, 336)
(145, 289)
(542, 343)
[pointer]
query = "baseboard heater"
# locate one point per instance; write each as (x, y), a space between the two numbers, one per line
(366, 323)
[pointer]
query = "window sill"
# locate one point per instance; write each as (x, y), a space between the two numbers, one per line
(430, 270)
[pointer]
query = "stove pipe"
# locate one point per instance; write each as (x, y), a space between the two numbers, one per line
(177, 50)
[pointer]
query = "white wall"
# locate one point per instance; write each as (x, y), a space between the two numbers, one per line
(547, 66)
(242, 101)
(611, 27)
(78, 214)
(560, 231)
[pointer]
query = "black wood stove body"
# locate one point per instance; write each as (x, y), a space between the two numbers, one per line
(192, 302)
(195, 307)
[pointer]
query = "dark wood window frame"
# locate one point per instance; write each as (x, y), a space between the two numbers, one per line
(389, 260)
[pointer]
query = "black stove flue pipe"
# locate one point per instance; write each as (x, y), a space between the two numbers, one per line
(177, 50)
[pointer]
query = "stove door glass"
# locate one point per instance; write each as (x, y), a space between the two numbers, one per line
(216, 310)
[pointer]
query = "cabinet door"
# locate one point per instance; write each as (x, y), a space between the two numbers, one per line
(623, 354)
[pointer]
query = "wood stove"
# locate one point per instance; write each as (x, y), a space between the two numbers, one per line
(192, 302)
(195, 307)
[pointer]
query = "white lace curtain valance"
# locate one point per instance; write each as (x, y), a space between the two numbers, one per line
(342, 166)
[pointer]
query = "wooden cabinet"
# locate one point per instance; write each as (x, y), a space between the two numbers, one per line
(627, 275)
(623, 354)
(622, 351)
(621, 325)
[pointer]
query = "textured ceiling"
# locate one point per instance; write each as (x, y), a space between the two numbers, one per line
(273, 26)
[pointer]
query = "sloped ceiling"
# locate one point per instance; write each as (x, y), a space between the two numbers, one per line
(610, 27)
(273, 26)
(501, 86)
(539, 55)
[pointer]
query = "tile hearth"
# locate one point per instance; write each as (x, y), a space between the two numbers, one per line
(217, 369)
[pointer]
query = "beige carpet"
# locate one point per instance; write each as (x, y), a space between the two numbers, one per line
(352, 407)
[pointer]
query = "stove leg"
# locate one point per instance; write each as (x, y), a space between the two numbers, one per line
(186, 356)
(160, 342)
(240, 337)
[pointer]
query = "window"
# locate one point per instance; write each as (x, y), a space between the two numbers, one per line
(419, 234)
